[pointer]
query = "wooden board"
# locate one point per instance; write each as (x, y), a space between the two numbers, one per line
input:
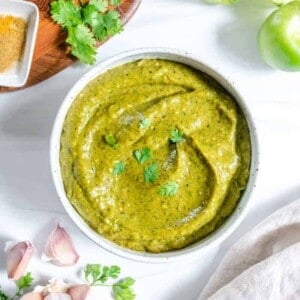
(50, 51)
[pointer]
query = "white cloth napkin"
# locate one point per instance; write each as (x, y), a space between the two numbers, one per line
(264, 264)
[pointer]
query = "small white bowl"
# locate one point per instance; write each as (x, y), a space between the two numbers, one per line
(195, 249)
(17, 75)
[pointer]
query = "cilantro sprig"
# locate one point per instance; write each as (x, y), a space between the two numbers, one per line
(87, 23)
(98, 275)
(3, 296)
(22, 284)
(122, 290)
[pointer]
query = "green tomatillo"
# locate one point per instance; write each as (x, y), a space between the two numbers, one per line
(279, 38)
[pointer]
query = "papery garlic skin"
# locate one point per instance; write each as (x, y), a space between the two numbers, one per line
(55, 286)
(32, 296)
(81, 292)
(58, 296)
(18, 257)
(60, 249)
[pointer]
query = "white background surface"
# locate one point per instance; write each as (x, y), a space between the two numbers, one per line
(224, 38)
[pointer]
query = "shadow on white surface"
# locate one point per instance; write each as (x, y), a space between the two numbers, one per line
(238, 37)
(25, 128)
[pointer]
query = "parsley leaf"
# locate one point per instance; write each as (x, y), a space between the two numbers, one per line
(110, 140)
(122, 290)
(3, 296)
(23, 283)
(115, 2)
(82, 43)
(142, 155)
(119, 168)
(144, 123)
(151, 172)
(65, 13)
(96, 274)
(176, 136)
(100, 5)
(169, 189)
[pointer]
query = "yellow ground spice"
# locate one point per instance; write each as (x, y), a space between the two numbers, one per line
(12, 40)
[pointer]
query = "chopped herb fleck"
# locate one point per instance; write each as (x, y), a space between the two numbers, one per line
(110, 140)
(144, 123)
(142, 155)
(119, 168)
(176, 136)
(169, 189)
(151, 173)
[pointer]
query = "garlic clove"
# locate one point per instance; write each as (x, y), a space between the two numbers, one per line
(32, 296)
(60, 249)
(81, 292)
(58, 296)
(55, 286)
(18, 257)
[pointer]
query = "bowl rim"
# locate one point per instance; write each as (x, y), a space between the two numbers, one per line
(193, 250)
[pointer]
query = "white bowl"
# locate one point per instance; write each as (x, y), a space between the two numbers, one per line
(17, 75)
(215, 237)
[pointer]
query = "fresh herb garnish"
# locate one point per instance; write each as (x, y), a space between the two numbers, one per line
(110, 140)
(169, 189)
(119, 168)
(3, 296)
(82, 43)
(115, 2)
(142, 155)
(151, 173)
(144, 123)
(122, 290)
(86, 23)
(22, 284)
(98, 275)
(176, 136)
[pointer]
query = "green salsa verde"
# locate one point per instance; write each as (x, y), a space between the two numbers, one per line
(154, 155)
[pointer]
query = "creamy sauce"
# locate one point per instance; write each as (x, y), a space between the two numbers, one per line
(210, 166)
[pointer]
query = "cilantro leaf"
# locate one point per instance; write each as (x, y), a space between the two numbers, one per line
(99, 29)
(112, 22)
(96, 274)
(151, 173)
(142, 155)
(169, 189)
(3, 296)
(110, 140)
(90, 15)
(144, 123)
(119, 168)
(82, 43)
(23, 283)
(65, 13)
(100, 5)
(176, 136)
(107, 25)
(123, 290)
(115, 2)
